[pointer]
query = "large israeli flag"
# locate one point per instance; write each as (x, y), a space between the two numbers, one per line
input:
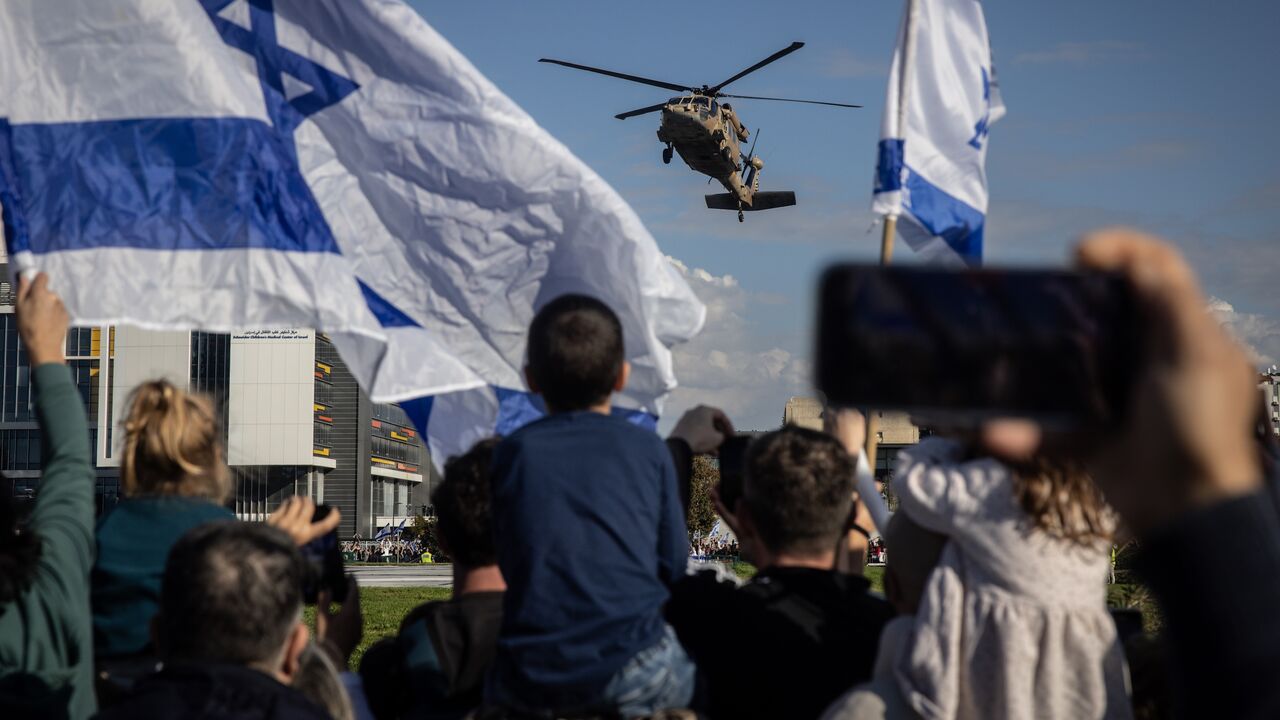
(239, 164)
(942, 99)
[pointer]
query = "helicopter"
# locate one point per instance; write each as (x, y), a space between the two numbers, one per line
(708, 134)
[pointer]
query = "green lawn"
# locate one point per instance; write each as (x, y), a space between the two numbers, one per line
(874, 573)
(384, 608)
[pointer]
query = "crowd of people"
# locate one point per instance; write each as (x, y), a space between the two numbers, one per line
(713, 547)
(385, 550)
(573, 594)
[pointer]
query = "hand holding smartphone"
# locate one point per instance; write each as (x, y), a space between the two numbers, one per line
(324, 566)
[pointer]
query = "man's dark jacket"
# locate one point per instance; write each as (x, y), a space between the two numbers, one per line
(785, 645)
(209, 691)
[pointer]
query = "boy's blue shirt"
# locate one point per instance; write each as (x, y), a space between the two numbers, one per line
(590, 535)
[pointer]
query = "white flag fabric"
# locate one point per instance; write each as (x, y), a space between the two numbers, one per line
(942, 99)
(240, 164)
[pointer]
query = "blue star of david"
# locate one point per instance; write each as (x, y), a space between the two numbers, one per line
(982, 126)
(274, 61)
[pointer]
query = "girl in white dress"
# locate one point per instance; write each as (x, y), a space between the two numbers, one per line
(1012, 622)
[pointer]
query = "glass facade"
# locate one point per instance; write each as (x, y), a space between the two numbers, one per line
(393, 441)
(20, 441)
(211, 370)
(261, 488)
(15, 375)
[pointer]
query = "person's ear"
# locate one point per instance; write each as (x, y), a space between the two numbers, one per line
(528, 380)
(292, 658)
(623, 376)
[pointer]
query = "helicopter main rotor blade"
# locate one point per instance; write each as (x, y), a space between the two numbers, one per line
(781, 53)
(809, 102)
(640, 111)
(622, 76)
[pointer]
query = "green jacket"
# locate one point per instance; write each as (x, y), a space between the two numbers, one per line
(46, 647)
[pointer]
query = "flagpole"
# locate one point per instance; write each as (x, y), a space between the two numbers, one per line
(873, 418)
(891, 220)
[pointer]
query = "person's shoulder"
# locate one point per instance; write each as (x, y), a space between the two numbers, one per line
(929, 453)
(425, 611)
(633, 435)
(858, 593)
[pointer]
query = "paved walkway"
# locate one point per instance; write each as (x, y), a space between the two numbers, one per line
(403, 575)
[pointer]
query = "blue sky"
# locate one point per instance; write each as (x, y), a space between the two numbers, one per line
(1160, 115)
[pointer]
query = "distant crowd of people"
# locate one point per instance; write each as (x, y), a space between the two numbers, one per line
(719, 547)
(573, 594)
(385, 550)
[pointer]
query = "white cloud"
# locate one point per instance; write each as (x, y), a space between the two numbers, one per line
(729, 365)
(1260, 334)
(843, 63)
(1083, 53)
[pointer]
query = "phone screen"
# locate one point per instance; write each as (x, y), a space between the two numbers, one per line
(324, 567)
(1055, 346)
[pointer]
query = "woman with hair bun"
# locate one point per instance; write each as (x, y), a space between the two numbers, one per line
(173, 477)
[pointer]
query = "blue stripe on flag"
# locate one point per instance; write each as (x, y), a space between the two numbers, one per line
(388, 315)
(156, 184)
(956, 222)
(889, 166)
(516, 408)
(419, 412)
(648, 421)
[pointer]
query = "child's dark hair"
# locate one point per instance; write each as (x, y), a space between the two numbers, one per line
(575, 352)
(463, 509)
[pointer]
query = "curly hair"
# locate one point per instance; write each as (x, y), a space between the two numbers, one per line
(173, 445)
(1062, 500)
(464, 508)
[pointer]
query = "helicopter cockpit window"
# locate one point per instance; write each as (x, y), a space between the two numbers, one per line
(715, 108)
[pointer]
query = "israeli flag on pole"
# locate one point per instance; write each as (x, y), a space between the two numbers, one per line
(942, 99)
(241, 164)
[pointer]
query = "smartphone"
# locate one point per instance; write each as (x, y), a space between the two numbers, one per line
(324, 567)
(733, 467)
(1055, 346)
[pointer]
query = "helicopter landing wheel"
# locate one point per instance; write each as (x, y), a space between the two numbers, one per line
(666, 155)
(741, 217)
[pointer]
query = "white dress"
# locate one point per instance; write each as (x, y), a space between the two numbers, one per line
(1013, 623)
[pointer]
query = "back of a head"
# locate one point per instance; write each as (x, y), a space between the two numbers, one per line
(463, 508)
(1061, 499)
(232, 593)
(172, 445)
(799, 490)
(575, 352)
